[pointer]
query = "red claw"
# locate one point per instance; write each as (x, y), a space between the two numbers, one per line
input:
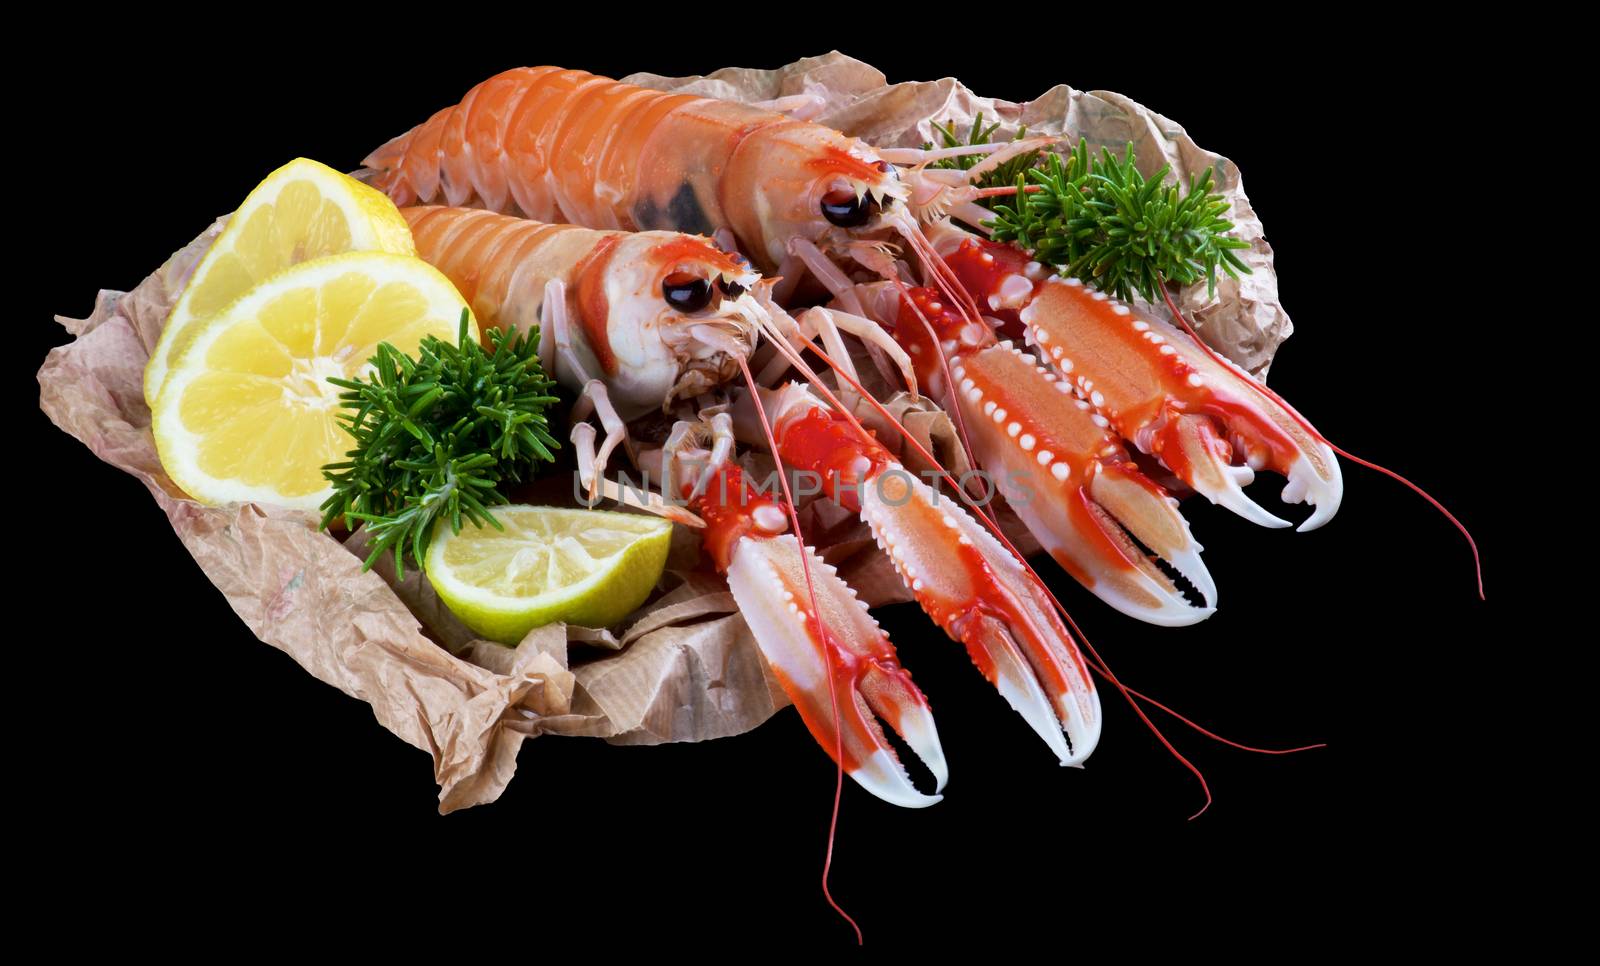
(745, 535)
(1067, 476)
(963, 578)
(1155, 386)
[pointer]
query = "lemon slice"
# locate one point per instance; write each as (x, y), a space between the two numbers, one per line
(247, 413)
(303, 210)
(586, 567)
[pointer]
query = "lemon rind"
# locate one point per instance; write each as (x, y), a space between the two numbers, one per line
(360, 203)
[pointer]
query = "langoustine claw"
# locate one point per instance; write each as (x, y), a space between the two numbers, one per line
(1195, 412)
(961, 575)
(1064, 473)
(806, 645)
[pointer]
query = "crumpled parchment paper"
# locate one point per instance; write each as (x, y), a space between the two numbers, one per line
(467, 702)
(685, 668)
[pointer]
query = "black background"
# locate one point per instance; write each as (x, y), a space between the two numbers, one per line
(176, 748)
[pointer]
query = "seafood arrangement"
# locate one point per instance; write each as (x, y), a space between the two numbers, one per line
(724, 289)
(868, 233)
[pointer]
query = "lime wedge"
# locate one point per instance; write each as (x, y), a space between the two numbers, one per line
(549, 564)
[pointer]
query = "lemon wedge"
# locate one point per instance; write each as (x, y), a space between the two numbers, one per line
(586, 567)
(247, 412)
(303, 210)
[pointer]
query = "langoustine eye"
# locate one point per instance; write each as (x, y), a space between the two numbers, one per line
(686, 293)
(846, 209)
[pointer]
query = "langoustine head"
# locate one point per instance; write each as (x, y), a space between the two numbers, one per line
(802, 194)
(666, 316)
(800, 181)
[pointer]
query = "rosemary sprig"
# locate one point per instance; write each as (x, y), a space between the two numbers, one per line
(1003, 176)
(1104, 222)
(437, 437)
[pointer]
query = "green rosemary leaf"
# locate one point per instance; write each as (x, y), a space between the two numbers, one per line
(437, 437)
(1099, 219)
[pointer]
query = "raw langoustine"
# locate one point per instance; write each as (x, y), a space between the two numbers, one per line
(634, 320)
(613, 299)
(506, 268)
(798, 197)
(568, 146)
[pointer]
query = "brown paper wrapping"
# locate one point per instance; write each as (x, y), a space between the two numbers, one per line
(686, 671)
(685, 668)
